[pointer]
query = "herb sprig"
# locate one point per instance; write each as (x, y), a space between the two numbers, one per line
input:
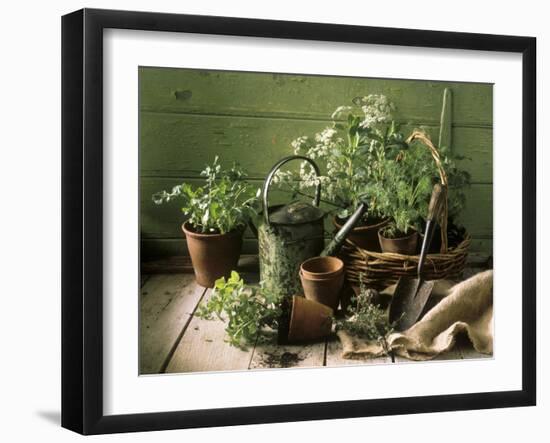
(226, 202)
(245, 309)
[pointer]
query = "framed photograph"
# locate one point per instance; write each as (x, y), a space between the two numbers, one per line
(269, 221)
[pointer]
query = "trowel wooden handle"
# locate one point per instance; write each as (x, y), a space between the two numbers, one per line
(336, 243)
(439, 194)
(437, 201)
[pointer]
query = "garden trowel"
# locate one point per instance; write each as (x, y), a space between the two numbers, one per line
(411, 294)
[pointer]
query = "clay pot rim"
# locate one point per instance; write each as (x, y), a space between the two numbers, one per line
(323, 278)
(412, 234)
(406, 245)
(188, 231)
(322, 275)
(362, 228)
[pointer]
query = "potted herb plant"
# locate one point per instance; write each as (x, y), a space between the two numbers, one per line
(249, 310)
(405, 191)
(399, 236)
(354, 151)
(217, 215)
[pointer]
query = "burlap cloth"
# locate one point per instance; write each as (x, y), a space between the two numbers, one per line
(466, 307)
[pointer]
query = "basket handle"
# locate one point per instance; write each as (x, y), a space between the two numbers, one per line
(443, 213)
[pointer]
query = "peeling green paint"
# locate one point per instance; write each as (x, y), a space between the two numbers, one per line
(188, 116)
(282, 250)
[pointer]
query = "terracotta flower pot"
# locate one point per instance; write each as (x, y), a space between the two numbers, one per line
(213, 255)
(322, 267)
(402, 245)
(309, 320)
(365, 236)
(322, 279)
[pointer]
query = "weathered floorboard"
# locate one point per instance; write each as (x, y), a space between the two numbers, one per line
(203, 348)
(167, 303)
(268, 354)
(171, 338)
(470, 353)
(143, 279)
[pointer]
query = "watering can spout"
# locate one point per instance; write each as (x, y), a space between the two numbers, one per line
(336, 243)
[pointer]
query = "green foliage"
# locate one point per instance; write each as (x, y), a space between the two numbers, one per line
(367, 159)
(226, 201)
(406, 189)
(459, 180)
(364, 319)
(245, 309)
(353, 151)
(404, 185)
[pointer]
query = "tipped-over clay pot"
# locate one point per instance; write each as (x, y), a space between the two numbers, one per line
(309, 320)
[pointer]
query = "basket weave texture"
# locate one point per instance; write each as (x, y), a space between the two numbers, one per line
(381, 269)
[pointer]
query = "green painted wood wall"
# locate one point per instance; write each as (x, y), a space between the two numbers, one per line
(189, 116)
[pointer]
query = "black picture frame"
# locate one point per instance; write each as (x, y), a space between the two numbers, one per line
(82, 217)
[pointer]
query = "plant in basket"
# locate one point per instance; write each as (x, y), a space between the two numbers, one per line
(405, 191)
(354, 151)
(217, 215)
(420, 160)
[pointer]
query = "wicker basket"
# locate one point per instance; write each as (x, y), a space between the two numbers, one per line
(380, 269)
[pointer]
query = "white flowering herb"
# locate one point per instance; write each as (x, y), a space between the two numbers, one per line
(352, 151)
(364, 158)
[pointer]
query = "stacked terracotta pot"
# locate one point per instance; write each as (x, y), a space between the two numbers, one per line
(323, 279)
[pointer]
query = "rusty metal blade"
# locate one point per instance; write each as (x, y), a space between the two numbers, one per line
(408, 301)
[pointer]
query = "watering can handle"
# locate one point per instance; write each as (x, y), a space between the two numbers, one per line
(275, 168)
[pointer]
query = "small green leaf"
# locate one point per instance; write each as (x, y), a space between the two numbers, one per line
(219, 283)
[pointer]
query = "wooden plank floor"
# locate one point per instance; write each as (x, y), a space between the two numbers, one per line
(173, 340)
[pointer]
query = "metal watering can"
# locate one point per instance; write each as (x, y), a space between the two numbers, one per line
(290, 234)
